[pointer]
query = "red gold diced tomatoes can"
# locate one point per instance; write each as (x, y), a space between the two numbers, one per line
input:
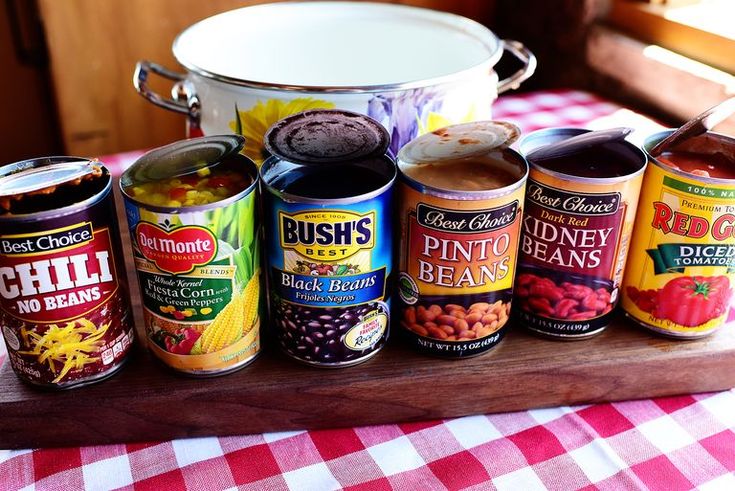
(64, 306)
(461, 196)
(578, 218)
(679, 279)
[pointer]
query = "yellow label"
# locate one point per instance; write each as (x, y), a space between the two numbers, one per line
(682, 256)
(327, 235)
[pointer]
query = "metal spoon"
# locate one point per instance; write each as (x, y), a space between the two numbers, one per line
(578, 143)
(701, 124)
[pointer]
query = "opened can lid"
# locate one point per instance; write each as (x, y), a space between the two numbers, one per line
(326, 136)
(36, 178)
(459, 141)
(182, 158)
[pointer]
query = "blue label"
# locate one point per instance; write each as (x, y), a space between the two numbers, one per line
(329, 291)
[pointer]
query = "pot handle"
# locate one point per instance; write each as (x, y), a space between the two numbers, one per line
(518, 50)
(184, 100)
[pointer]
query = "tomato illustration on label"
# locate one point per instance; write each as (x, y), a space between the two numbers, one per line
(687, 300)
(691, 301)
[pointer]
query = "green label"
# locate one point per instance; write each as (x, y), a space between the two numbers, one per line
(701, 191)
(675, 258)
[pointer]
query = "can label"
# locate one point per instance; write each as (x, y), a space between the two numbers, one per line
(65, 313)
(200, 283)
(682, 261)
(573, 251)
(329, 270)
(457, 266)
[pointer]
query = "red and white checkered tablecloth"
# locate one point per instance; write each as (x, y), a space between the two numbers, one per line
(673, 443)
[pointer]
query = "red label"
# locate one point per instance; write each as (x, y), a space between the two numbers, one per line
(178, 251)
(560, 237)
(56, 275)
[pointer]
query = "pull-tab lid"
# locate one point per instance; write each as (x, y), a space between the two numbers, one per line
(326, 136)
(459, 141)
(47, 176)
(182, 158)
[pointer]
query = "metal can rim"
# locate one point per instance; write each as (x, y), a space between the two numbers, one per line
(252, 170)
(295, 198)
(570, 177)
(653, 139)
(470, 195)
(66, 210)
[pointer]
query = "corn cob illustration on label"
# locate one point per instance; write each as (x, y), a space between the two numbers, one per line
(200, 283)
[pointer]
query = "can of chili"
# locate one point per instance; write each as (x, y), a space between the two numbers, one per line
(578, 219)
(461, 196)
(64, 306)
(192, 211)
(679, 279)
(328, 202)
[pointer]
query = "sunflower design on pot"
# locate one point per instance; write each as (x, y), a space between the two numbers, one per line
(254, 122)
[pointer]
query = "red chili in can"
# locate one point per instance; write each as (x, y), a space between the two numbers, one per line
(64, 306)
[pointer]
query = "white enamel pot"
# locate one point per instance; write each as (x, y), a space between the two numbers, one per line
(414, 70)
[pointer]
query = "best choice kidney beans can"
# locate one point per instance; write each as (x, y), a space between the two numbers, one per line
(64, 307)
(328, 212)
(679, 279)
(461, 196)
(576, 232)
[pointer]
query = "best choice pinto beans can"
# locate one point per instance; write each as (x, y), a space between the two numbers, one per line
(461, 195)
(64, 307)
(192, 211)
(679, 280)
(576, 232)
(328, 216)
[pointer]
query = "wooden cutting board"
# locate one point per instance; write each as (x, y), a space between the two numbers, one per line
(146, 402)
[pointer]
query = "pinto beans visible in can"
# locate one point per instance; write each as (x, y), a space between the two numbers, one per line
(461, 195)
(680, 276)
(64, 306)
(328, 212)
(578, 219)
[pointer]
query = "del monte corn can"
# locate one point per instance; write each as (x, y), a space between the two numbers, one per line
(580, 208)
(192, 211)
(64, 307)
(461, 196)
(679, 280)
(328, 216)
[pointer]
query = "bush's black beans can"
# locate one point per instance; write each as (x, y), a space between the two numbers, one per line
(64, 306)
(328, 205)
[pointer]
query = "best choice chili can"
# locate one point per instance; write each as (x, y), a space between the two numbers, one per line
(461, 196)
(64, 307)
(328, 217)
(576, 231)
(192, 211)
(679, 280)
